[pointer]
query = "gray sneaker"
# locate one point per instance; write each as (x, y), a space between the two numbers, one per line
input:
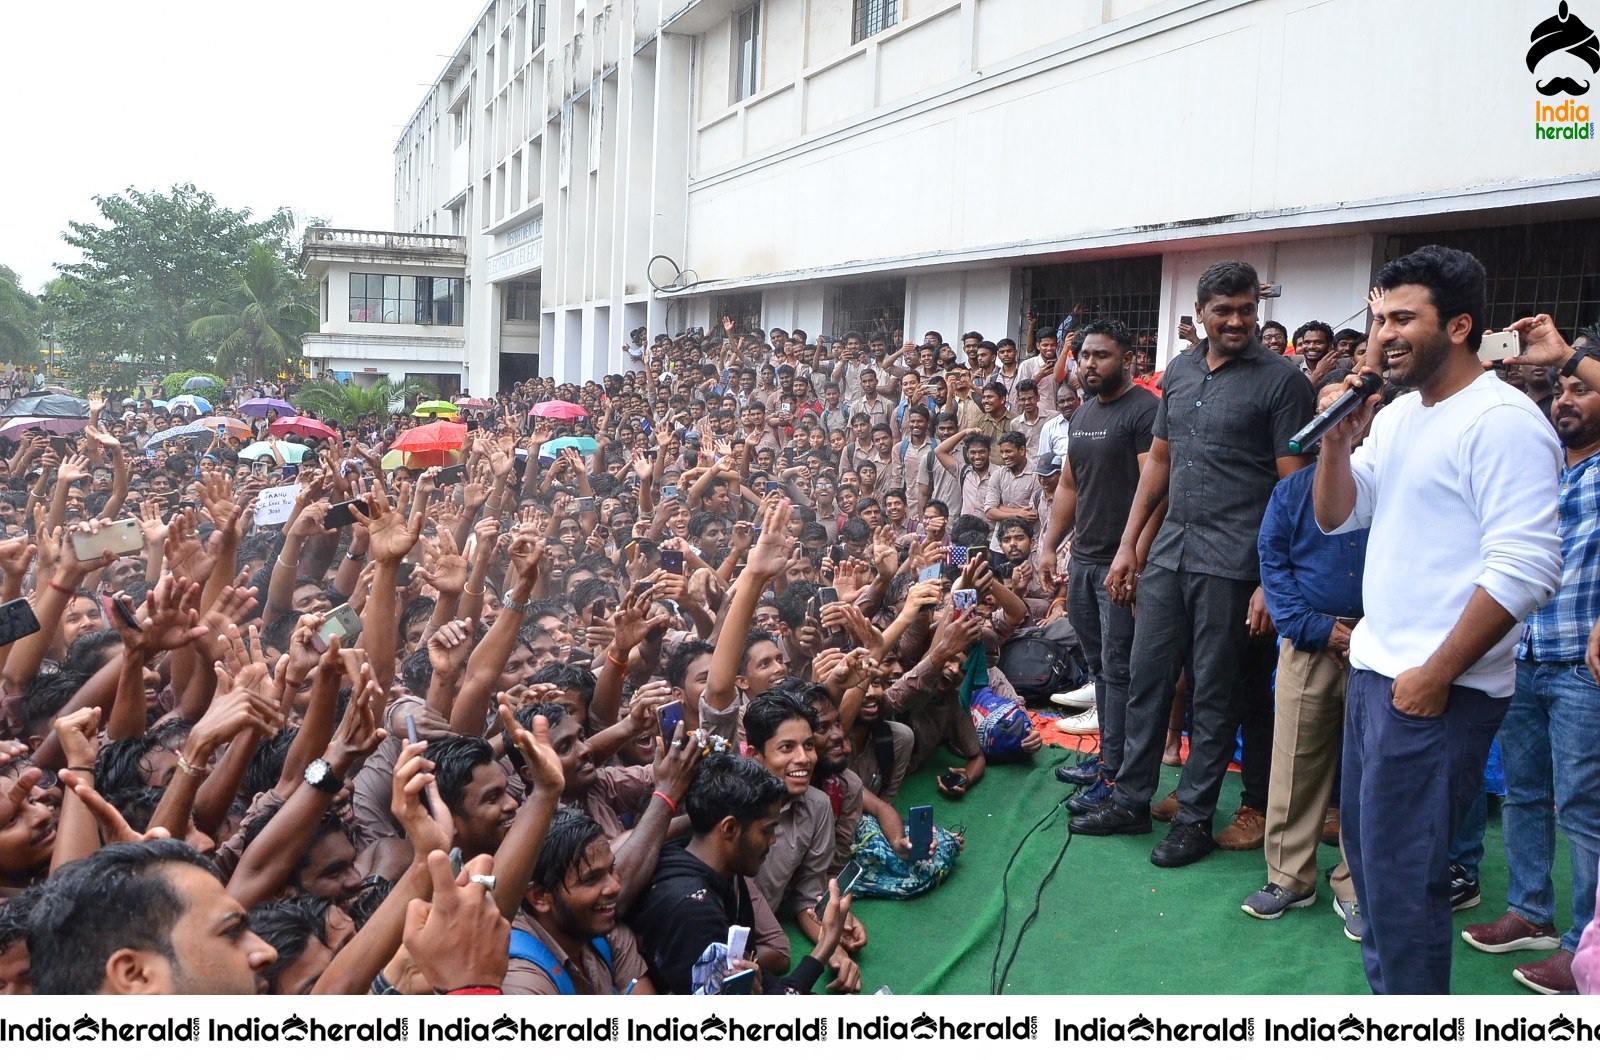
(1350, 913)
(1273, 901)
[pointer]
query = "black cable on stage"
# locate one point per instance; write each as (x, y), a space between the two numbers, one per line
(996, 974)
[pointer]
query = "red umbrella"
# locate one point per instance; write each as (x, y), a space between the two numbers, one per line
(432, 437)
(560, 410)
(475, 403)
(304, 426)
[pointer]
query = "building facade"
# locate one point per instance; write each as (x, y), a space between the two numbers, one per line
(951, 165)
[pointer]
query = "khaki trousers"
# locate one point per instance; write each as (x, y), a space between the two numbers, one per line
(1306, 741)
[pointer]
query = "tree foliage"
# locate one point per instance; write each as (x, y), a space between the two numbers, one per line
(344, 403)
(20, 320)
(153, 264)
(260, 318)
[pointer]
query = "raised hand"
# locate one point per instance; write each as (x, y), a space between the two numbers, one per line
(450, 646)
(170, 620)
(114, 828)
(448, 573)
(186, 555)
(390, 535)
(216, 496)
(16, 555)
(543, 770)
(426, 819)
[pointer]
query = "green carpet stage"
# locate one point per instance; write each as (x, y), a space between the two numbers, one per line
(1112, 923)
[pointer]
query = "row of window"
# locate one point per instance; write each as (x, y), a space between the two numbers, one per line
(868, 17)
(376, 298)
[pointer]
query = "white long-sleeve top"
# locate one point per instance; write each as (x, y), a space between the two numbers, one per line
(1459, 495)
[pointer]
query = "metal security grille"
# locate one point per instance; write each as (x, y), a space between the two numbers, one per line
(873, 16)
(1128, 290)
(743, 306)
(1538, 268)
(869, 306)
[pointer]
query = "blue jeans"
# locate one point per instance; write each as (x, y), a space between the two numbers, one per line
(1408, 784)
(1551, 743)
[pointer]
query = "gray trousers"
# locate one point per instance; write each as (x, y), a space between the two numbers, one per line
(1181, 617)
(1105, 631)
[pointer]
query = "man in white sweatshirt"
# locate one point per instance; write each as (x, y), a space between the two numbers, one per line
(1458, 483)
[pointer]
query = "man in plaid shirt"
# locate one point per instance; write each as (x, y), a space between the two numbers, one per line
(1551, 735)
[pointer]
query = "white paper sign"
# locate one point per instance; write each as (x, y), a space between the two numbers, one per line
(274, 505)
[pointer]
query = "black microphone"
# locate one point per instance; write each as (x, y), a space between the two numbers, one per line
(1367, 384)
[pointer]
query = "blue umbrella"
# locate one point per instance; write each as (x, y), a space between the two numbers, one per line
(178, 432)
(583, 445)
(200, 382)
(188, 401)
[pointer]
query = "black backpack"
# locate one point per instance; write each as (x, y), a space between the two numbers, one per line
(1042, 661)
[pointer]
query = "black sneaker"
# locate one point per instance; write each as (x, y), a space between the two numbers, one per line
(1111, 818)
(1185, 844)
(1081, 773)
(1464, 893)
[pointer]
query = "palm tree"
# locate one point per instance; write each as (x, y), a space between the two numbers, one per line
(345, 403)
(264, 315)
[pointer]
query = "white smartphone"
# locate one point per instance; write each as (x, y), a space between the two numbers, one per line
(1498, 346)
(123, 538)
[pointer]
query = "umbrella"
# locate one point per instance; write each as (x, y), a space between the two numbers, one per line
(560, 410)
(436, 408)
(475, 403)
(50, 405)
(177, 432)
(188, 401)
(227, 424)
(432, 438)
(304, 426)
(52, 425)
(262, 405)
(157, 403)
(438, 458)
(201, 382)
(583, 445)
(293, 452)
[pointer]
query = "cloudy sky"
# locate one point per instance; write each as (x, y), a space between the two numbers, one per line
(294, 103)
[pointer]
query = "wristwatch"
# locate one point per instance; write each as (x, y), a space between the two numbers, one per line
(511, 605)
(319, 775)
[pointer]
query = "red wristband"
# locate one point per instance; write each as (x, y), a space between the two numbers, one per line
(59, 589)
(666, 799)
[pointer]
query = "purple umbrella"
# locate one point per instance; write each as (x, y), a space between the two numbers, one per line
(16, 428)
(262, 405)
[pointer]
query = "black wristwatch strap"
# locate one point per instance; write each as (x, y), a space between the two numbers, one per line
(1570, 369)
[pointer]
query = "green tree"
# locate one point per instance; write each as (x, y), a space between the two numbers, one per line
(20, 318)
(344, 403)
(152, 265)
(260, 320)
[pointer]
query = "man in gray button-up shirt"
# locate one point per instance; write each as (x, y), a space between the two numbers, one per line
(1228, 410)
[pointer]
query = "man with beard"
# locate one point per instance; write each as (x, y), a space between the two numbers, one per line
(1458, 482)
(1220, 444)
(881, 748)
(567, 939)
(1107, 443)
(1551, 736)
(1313, 342)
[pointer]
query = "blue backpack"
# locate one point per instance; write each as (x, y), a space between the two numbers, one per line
(527, 947)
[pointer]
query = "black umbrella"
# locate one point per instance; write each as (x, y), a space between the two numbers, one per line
(40, 403)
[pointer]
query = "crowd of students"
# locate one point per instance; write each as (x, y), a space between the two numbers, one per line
(607, 702)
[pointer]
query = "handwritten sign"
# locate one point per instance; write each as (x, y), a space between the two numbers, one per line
(274, 505)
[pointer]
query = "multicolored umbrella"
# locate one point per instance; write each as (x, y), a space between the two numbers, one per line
(432, 438)
(304, 426)
(178, 432)
(262, 405)
(442, 409)
(199, 405)
(560, 410)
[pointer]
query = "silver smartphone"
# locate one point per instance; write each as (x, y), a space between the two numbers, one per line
(1498, 346)
(341, 622)
(123, 538)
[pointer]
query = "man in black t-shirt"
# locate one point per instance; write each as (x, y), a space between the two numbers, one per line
(1106, 447)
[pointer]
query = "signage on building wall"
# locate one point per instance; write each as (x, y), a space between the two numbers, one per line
(524, 251)
(1561, 47)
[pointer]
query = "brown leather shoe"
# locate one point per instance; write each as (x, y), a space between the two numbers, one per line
(1247, 832)
(1511, 933)
(1166, 809)
(1553, 975)
(1330, 827)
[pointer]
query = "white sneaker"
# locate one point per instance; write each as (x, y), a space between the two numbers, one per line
(1080, 724)
(1078, 697)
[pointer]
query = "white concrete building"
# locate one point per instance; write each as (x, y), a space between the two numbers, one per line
(390, 303)
(947, 164)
